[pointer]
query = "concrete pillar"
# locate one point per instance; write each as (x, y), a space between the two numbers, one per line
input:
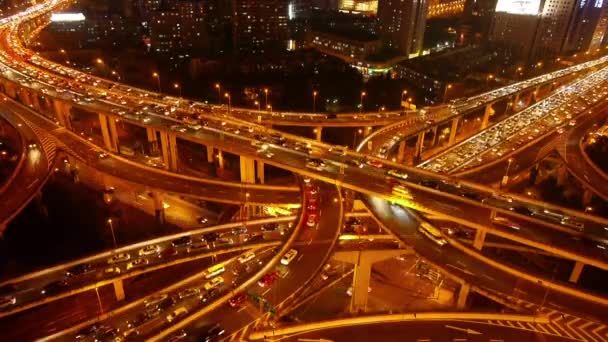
(260, 171)
(220, 159)
(318, 133)
(113, 134)
(562, 175)
(168, 145)
(23, 96)
(247, 170)
(434, 142)
(576, 272)
(536, 94)
(486, 115)
(453, 130)
(119, 289)
(463, 295)
(480, 237)
(36, 102)
(514, 104)
(363, 261)
(152, 140)
(62, 113)
(587, 196)
(159, 208)
(419, 145)
(106, 134)
(401, 152)
(11, 90)
(209, 149)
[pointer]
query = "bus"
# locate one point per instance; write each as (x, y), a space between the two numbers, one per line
(215, 270)
(432, 233)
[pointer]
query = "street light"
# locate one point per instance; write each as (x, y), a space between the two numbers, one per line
(445, 92)
(179, 89)
(363, 94)
(266, 96)
(226, 95)
(269, 107)
(314, 101)
(219, 92)
(110, 223)
(505, 178)
(257, 103)
(114, 73)
(157, 76)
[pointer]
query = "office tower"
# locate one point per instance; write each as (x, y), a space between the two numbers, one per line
(259, 24)
(402, 24)
(362, 6)
(588, 26)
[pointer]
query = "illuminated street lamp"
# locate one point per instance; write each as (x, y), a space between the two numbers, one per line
(314, 101)
(363, 94)
(257, 103)
(445, 92)
(226, 95)
(269, 108)
(111, 225)
(179, 89)
(157, 76)
(115, 74)
(65, 53)
(505, 178)
(219, 92)
(266, 97)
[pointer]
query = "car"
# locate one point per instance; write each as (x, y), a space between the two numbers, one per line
(312, 220)
(193, 291)
(349, 291)
(178, 336)
(213, 333)
(211, 237)
(202, 220)
(106, 334)
(102, 155)
(375, 163)
(246, 257)
(150, 249)
(181, 311)
(112, 270)
(154, 300)
(316, 164)
(506, 222)
(54, 287)
(167, 253)
(237, 300)
(289, 256)
(7, 301)
(89, 330)
(269, 227)
(197, 247)
(268, 279)
(32, 145)
(79, 269)
(137, 263)
(119, 257)
(166, 303)
(182, 241)
(213, 283)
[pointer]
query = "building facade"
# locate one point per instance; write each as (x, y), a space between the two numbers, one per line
(259, 25)
(402, 24)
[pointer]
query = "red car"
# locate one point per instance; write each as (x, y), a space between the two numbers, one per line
(237, 300)
(268, 279)
(312, 220)
(375, 163)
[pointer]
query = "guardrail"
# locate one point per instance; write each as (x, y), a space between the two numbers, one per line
(384, 319)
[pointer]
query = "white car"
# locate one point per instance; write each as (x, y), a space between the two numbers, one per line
(137, 263)
(213, 283)
(120, 257)
(181, 311)
(246, 257)
(289, 256)
(151, 249)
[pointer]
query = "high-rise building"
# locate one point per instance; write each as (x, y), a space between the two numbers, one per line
(402, 24)
(165, 31)
(259, 24)
(326, 5)
(445, 8)
(588, 21)
(193, 26)
(362, 6)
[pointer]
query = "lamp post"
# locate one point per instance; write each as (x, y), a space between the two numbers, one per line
(65, 53)
(101, 65)
(157, 77)
(269, 108)
(363, 94)
(111, 225)
(505, 178)
(219, 93)
(257, 103)
(266, 97)
(115, 74)
(445, 92)
(179, 89)
(226, 95)
(314, 101)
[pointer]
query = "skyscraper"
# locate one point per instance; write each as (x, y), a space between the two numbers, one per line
(259, 24)
(588, 21)
(402, 24)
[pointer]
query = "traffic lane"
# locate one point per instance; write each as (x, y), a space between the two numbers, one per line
(163, 181)
(478, 273)
(30, 290)
(66, 312)
(424, 331)
(577, 163)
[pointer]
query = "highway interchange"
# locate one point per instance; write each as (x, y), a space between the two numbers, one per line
(464, 202)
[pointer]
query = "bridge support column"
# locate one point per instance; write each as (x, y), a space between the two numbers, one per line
(401, 152)
(260, 171)
(419, 146)
(576, 272)
(434, 142)
(480, 237)
(106, 133)
(168, 145)
(11, 90)
(463, 295)
(247, 170)
(318, 133)
(453, 130)
(363, 261)
(515, 103)
(24, 97)
(536, 94)
(152, 141)
(587, 196)
(209, 149)
(36, 102)
(220, 159)
(62, 113)
(159, 208)
(486, 115)
(119, 289)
